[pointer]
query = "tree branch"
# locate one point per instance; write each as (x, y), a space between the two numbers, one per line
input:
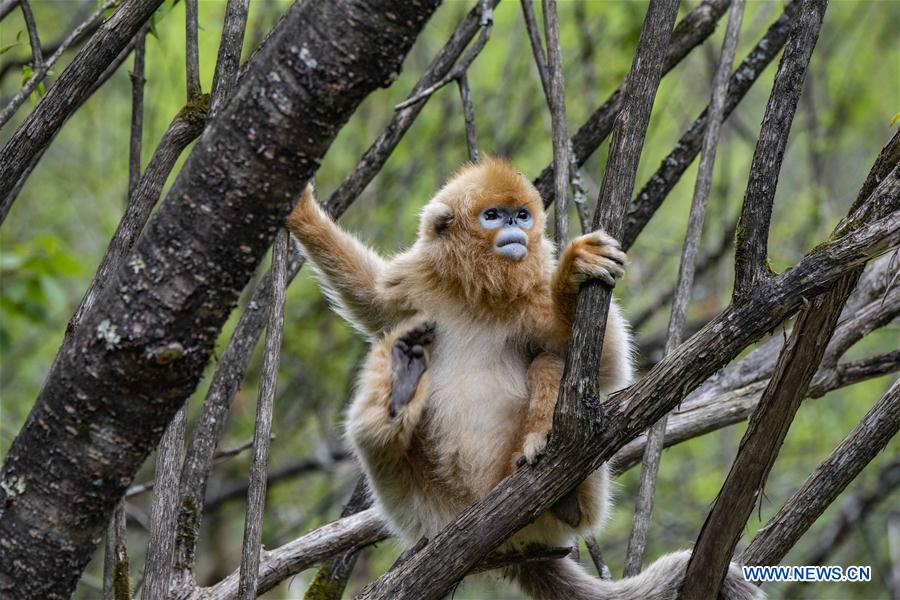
(256, 498)
(90, 426)
(752, 237)
(229, 59)
(41, 70)
(73, 86)
(637, 540)
(688, 146)
(191, 50)
(841, 467)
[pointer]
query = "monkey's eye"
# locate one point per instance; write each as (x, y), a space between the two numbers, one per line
(491, 214)
(523, 215)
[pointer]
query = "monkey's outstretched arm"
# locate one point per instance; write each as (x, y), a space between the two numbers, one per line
(349, 268)
(391, 398)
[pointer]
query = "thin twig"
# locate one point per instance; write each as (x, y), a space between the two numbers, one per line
(229, 57)
(256, 498)
(821, 488)
(465, 96)
(657, 188)
(41, 71)
(561, 143)
(331, 578)
(37, 58)
(191, 50)
(637, 540)
(116, 583)
(458, 71)
(6, 7)
(164, 509)
(593, 547)
(137, 114)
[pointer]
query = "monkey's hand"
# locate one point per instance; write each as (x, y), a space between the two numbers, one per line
(408, 364)
(595, 255)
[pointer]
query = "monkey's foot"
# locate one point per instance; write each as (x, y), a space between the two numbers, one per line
(534, 446)
(597, 256)
(408, 364)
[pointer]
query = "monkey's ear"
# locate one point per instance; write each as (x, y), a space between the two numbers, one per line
(437, 218)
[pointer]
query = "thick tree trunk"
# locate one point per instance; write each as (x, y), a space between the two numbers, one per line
(141, 350)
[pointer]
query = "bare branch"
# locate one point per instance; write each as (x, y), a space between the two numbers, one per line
(691, 31)
(346, 534)
(753, 227)
(841, 467)
(688, 146)
(853, 512)
(37, 58)
(6, 7)
(40, 71)
(164, 509)
(137, 114)
(256, 498)
(228, 61)
(763, 439)
(735, 405)
(116, 583)
(74, 85)
(637, 540)
(330, 580)
(458, 71)
(469, 116)
(560, 127)
(597, 558)
(191, 50)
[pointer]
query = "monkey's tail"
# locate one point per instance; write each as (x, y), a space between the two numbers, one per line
(564, 579)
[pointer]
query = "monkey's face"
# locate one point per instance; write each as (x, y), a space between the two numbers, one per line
(509, 226)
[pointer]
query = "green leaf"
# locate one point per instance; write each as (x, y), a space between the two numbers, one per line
(895, 119)
(27, 72)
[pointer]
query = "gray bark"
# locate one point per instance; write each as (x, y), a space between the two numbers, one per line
(141, 350)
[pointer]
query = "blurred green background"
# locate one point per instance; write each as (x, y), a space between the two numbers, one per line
(60, 225)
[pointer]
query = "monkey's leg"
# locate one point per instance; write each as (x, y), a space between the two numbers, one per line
(391, 395)
(586, 505)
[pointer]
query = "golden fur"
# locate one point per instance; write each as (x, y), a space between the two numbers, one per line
(493, 369)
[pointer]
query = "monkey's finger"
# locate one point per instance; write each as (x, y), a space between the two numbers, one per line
(601, 238)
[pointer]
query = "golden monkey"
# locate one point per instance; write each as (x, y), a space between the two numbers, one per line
(469, 326)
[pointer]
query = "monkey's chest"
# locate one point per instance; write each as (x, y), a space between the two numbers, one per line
(478, 382)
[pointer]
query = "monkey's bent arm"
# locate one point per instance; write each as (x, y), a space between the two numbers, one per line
(349, 268)
(594, 256)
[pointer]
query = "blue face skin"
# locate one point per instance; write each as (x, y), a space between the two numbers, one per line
(511, 242)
